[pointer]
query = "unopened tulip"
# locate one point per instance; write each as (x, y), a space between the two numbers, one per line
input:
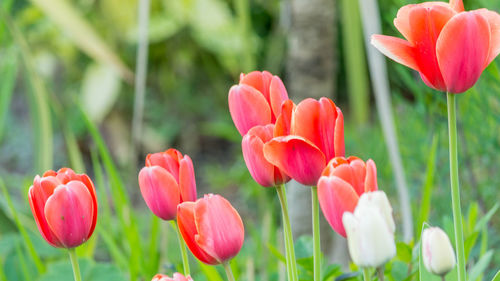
(256, 100)
(316, 136)
(439, 257)
(64, 205)
(341, 184)
(263, 172)
(212, 229)
(370, 230)
(450, 48)
(176, 277)
(167, 180)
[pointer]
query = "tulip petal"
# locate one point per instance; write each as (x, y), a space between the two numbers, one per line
(38, 194)
(297, 157)
(90, 187)
(284, 120)
(339, 144)
(252, 146)
(336, 196)
(160, 191)
(187, 180)
(220, 228)
(463, 50)
(188, 230)
(248, 108)
(426, 25)
(457, 5)
(493, 19)
(258, 80)
(277, 95)
(69, 212)
(397, 49)
(168, 160)
(371, 177)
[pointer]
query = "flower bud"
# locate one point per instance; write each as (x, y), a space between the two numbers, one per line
(370, 230)
(437, 251)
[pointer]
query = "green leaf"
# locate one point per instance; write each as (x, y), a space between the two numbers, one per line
(497, 277)
(425, 203)
(210, 272)
(8, 74)
(404, 252)
(480, 266)
(486, 218)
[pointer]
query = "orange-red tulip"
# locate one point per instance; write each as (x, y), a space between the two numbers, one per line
(212, 228)
(263, 172)
(256, 100)
(64, 205)
(340, 186)
(167, 180)
(449, 47)
(176, 277)
(315, 135)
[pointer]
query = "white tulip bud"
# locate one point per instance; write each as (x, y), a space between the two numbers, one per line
(439, 257)
(370, 230)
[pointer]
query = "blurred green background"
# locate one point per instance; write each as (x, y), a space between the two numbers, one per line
(67, 99)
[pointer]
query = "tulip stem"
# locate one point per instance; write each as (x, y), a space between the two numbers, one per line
(366, 273)
(455, 188)
(182, 246)
(316, 238)
(74, 264)
(229, 272)
(380, 272)
(291, 263)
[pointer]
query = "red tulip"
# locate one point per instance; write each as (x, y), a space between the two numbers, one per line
(212, 228)
(316, 135)
(256, 100)
(449, 47)
(167, 180)
(341, 184)
(176, 277)
(263, 172)
(64, 205)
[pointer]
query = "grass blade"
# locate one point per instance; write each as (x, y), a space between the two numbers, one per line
(8, 74)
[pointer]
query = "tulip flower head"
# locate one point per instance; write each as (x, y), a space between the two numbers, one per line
(370, 230)
(341, 184)
(450, 48)
(176, 277)
(211, 228)
(167, 180)
(438, 254)
(316, 135)
(263, 172)
(256, 100)
(64, 205)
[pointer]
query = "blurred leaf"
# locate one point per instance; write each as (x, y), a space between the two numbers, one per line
(348, 276)
(210, 272)
(399, 270)
(8, 74)
(486, 218)
(67, 17)
(330, 271)
(497, 277)
(425, 203)
(100, 90)
(62, 271)
(404, 252)
(480, 266)
(276, 252)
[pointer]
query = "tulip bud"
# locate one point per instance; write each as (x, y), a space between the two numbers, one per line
(370, 230)
(64, 205)
(439, 257)
(211, 228)
(176, 277)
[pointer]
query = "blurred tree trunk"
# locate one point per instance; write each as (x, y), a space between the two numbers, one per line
(311, 72)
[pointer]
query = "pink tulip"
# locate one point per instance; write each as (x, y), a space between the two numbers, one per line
(256, 100)
(211, 228)
(263, 172)
(316, 135)
(341, 184)
(450, 48)
(177, 277)
(64, 205)
(167, 180)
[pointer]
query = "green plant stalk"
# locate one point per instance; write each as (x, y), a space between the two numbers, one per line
(74, 264)
(366, 274)
(316, 238)
(380, 272)
(229, 272)
(291, 262)
(182, 246)
(455, 188)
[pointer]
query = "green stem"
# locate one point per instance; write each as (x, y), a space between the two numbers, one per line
(229, 272)
(291, 263)
(366, 273)
(182, 246)
(380, 272)
(316, 238)
(74, 264)
(455, 188)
